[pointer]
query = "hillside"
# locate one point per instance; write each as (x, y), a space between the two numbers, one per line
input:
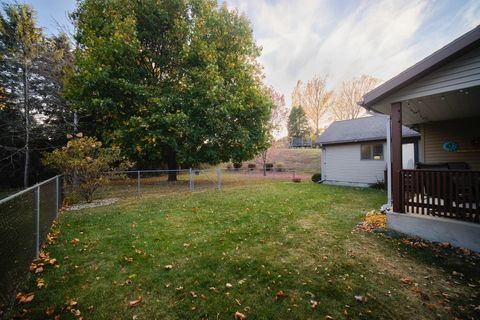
(303, 160)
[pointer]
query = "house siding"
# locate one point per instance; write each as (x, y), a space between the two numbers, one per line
(342, 164)
(463, 132)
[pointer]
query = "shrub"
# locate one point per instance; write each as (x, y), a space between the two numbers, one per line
(280, 167)
(269, 166)
(378, 185)
(84, 161)
(316, 177)
(237, 165)
(251, 166)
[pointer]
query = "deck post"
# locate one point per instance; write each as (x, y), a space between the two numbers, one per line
(396, 155)
(37, 222)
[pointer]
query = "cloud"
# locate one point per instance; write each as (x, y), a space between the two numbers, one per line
(343, 39)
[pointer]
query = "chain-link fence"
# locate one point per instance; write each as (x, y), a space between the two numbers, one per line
(144, 182)
(25, 220)
(26, 217)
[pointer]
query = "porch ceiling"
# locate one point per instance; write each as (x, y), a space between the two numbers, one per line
(464, 103)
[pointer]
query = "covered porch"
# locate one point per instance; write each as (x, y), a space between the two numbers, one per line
(440, 97)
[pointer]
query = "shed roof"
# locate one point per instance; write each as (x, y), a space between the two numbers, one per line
(370, 128)
(434, 61)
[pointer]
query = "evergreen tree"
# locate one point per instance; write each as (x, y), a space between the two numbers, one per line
(298, 123)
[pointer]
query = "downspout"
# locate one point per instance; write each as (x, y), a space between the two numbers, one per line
(389, 166)
(388, 205)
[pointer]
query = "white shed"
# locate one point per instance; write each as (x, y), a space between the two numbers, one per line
(353, 151)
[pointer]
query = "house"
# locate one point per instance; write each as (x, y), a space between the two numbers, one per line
(439, 96)
(353, 151)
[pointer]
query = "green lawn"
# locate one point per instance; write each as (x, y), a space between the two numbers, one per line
(262, 239)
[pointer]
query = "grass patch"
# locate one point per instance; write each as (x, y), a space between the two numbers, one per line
(262, 239)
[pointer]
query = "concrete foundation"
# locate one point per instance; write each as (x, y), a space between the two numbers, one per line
(347, 184)
(457, 233)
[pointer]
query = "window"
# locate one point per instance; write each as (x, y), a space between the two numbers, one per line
(371, 151)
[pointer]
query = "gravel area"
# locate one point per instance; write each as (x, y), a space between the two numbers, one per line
(93, 204)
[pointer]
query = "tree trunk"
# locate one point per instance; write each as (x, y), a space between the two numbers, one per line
(264, 159)
(172, 165)
(27, 126)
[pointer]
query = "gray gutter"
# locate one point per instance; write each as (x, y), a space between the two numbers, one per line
(437, 59)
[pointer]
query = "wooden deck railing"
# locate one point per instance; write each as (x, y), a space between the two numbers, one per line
(449, 194)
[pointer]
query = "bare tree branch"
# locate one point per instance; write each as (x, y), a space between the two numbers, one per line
(345, 105)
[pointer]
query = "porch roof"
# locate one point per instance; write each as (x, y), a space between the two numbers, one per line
(443, 86)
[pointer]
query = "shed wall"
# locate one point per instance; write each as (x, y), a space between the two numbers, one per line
(342, 164)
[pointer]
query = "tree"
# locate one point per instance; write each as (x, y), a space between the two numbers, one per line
(274, 126)
(170, 82)
(21, 43)
(85, 159)
(314, 99)
(39, 94)
(349, 94)
(298, 123)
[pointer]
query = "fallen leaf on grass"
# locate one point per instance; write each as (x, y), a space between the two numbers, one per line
(76, 312)
(49, 311)
(134, 303)
(406, 280)
(313, 304)
(39, 270)
(41, 283)
(430, 306)
(168, 267)
(229, 285)
(281, 294)
(128, 259)
(416, 290)
(75, 241)
(72, 303)
(238, 302)
(359, 298)
(25, 298)
(240, 316)
(193, 294)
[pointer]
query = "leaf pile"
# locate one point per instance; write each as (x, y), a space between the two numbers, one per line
(373, 220)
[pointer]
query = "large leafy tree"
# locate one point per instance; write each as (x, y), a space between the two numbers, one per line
(170, 82)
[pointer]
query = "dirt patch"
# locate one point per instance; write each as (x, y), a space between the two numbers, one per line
(93, 204)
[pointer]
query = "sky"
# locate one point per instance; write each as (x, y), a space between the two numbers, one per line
(339, 39)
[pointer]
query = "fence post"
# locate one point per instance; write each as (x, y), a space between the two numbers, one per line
(219, 178)
(190, 179)
(57, 197)
(37, 229)
(138, 182)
